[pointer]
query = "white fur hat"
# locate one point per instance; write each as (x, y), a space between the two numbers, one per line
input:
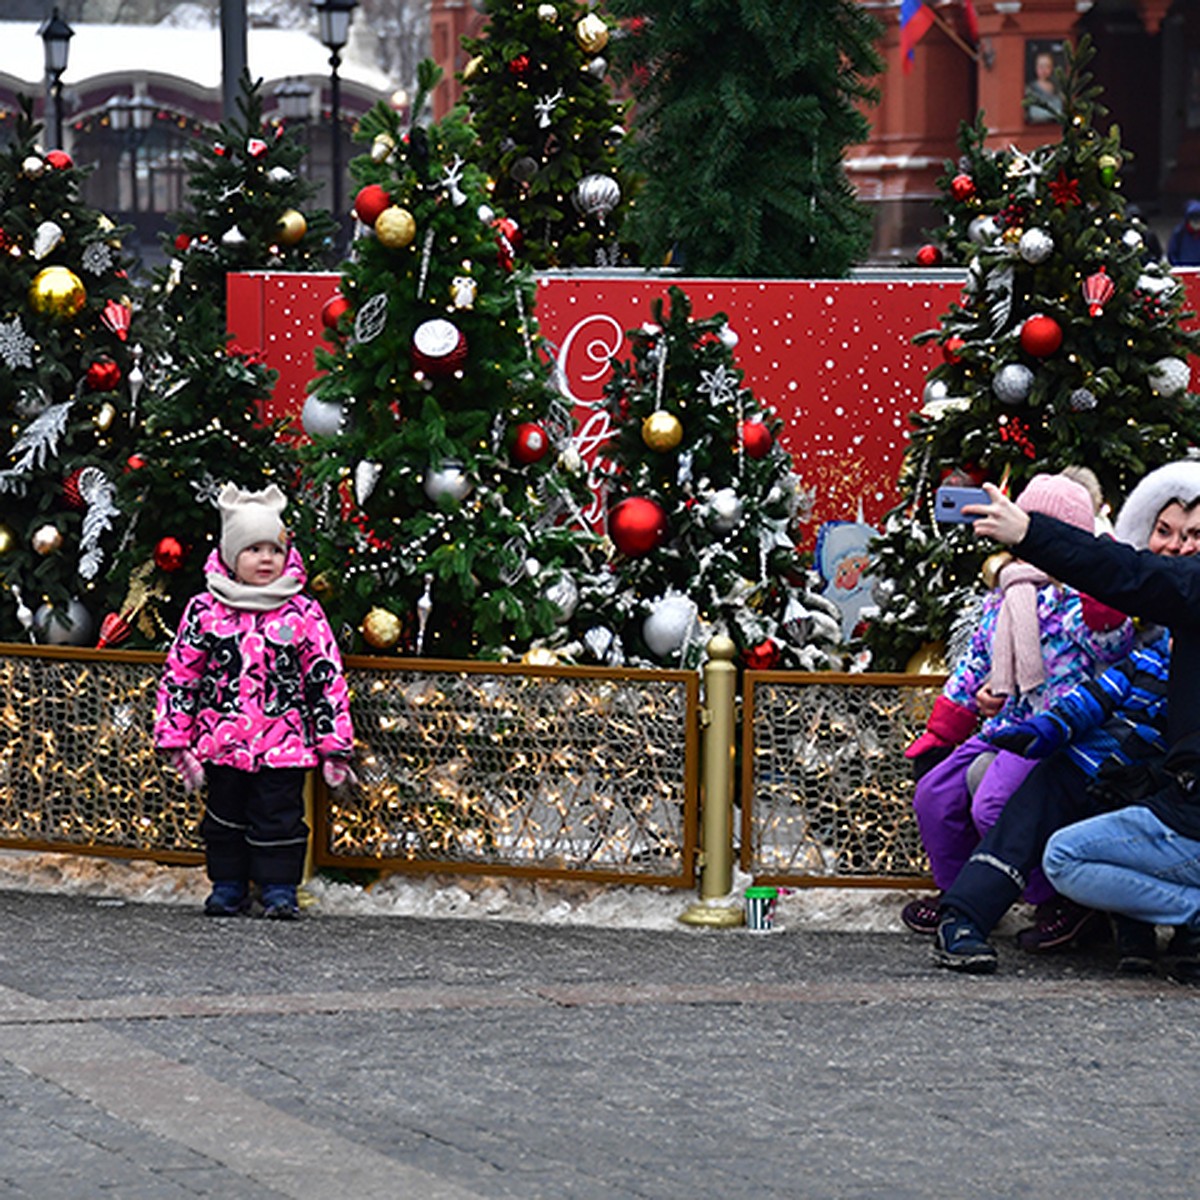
(1176, 481)
(250, 517)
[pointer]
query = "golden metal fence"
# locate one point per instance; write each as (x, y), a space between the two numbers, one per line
(826, 790)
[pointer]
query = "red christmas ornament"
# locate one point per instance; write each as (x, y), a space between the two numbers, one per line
(370, 202)
(182, 242)
(952, 349)
(256, 147)
(103, 375)
(135, 462)
(333, 309)
(71, 492)
(637, 526)
(508, 238)
(1064, 189)
(169, 554)
(962, 187)
(530, 443)
(115, 318)
(113, 629)
(929, 255)
(218, 149)
(60, 160)
(1098, 291)
(1041, 336)
(439, 348)
(757, 439)
(519, 66)
(761, 657)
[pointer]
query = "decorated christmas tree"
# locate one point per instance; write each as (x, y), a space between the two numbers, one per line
(248, 206)
(1065, 349)
(548, 129)
(743, 111)
(441, 469)
(702, 512)
(202, 420)
(69, 380)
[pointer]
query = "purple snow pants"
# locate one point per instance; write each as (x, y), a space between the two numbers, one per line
(952, 821)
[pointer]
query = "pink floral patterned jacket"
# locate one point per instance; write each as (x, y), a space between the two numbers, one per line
(251, 689)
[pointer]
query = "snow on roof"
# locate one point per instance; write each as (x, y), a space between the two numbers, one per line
(119, 52)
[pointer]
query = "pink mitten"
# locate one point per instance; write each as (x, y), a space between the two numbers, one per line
(949, 725)
(337, 773)
(190, 769)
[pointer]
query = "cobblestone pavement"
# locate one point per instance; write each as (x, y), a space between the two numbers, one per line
(146, 1052)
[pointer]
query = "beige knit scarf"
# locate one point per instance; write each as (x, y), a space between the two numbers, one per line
(1017, 666)
(254, 598)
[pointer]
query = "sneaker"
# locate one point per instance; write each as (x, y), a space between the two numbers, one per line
(1137, 945)
(921, 914)
(228, 899)
(279, 902)
(1182, 954)
(959, 946)
(1059, 922)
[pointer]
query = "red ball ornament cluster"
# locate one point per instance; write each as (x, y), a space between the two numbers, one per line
(333, 310)
(962, 187)
(762, 657)
(370, 202)
(60, 160)
(1041, 336)
(169, 554)
(757, 439)
(530, 443)
(103, 375)
(929, 255)
(637, 526)
(952, 349)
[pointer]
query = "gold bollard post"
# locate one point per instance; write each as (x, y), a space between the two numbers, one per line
(716, 821)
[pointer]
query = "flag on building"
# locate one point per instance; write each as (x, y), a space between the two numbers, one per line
(915, 20)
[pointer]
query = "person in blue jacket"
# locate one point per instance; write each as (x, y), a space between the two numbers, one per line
(1142, 861)
(1183, 246)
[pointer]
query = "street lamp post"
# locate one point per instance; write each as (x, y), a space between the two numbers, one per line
(56, 37)
(131, 117)
(333, 20)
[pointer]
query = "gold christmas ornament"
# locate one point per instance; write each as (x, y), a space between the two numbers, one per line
(930, 659)
(57, 292)
(547, 12)
(382, 147)
(592, 34)
(46, 540)
(8, 539)
(539, 656)
(106, 226)
(381, 629)
(472, 68)
(395, 227)
(323, 586)
(104, 417)
(292, 227)
(662, 431)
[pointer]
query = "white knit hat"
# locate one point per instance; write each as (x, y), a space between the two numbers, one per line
(248, 518)
(1058, 496)
(1177, 481)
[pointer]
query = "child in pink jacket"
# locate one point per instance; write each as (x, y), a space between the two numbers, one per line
(253, 696)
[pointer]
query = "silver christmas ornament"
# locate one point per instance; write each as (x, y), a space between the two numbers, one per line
(56, 625)
(982, 230)
(670, 621)
(46, 539)
(1169, 376)
(597, 68)
(280, 175)
(563, 593)
(233, 237)
(597, 195)
(1012, 383)
(366, 476)
(727, 510)
(1035, 246)
(447, 482)
(321, 418)
(45, 238)
(1082, 400)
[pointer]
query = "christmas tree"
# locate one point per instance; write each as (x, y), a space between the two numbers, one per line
(1065, 349)
(743, 110)
(703, 505)
(203, 417)
(247, 204)
(441, 469)
(68, 381)
(548, 129)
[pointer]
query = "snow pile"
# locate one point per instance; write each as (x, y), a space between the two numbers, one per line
(541, 902)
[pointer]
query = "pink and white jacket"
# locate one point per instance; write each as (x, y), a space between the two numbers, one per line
(254, 690)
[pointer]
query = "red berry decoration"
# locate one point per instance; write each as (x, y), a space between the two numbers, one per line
(169, 554)
(103, 375)
(952, 349)
(757, 439)
(530, 443)
(60, 160)
(1041, 336)
(637, 526)
(929, 255)
(519, 66)
(761, 657)
(962, 187)
(370, 202)
(333, 310)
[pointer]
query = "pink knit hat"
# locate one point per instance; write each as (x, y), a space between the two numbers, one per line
(1058, 496)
